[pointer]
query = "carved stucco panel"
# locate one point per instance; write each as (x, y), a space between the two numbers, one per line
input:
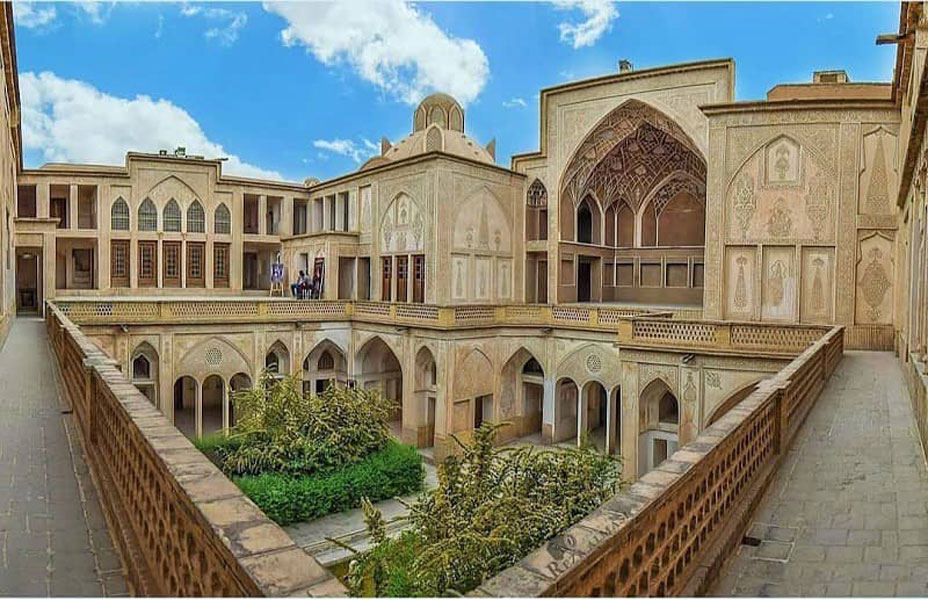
(875, 272)
(878, 175)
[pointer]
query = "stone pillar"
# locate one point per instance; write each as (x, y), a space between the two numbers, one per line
(226, 398)
(547, 411)
(42, 202)
(610, 422)
(582, 403)
(72, 206)
(262, 215)
(199, 408)
(286, 216)
(630, 420)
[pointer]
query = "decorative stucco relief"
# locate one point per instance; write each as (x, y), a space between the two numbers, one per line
(779, 283)
(817, 285)
(875, 270)
(878, 177)
(782, 193)
(402, 226)
(739, 282)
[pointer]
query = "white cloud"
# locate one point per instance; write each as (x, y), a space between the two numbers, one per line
(32, 15)
(228, 23)
(514, 103)
(97, 12)
(391, 44)
(356, 152)
(160, 29)
(67, 120)
(599, 17)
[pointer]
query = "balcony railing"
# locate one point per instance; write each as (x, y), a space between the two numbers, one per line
(182, 528)
(669, 533)
(634, 326)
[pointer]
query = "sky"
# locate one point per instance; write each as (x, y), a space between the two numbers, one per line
(307, 89)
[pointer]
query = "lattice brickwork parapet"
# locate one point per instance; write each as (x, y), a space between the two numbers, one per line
(669, 533)
(182, 527)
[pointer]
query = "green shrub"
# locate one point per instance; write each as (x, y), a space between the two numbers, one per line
(216, 446)
(281, 430)
(392, 471)
(492, 506)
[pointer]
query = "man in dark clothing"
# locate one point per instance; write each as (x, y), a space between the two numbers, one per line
(295, 287)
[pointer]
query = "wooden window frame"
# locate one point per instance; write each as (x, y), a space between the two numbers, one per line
(119, 269)
(221, 255)
(192, 264)
(168, 249)
(386, 279)
(150, 280)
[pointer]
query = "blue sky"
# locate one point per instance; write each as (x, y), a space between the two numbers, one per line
(299, 90)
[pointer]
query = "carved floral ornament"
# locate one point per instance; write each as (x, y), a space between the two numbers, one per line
(633, 149)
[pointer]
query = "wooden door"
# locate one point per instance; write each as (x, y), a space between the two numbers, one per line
(119, 263)
(196, 276)
(148, 264)
(386, 279)
(171, 267)
(418, 278)
(402, 277)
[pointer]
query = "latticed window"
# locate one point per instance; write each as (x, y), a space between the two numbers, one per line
(537, 194)
(222, 220)
(195, 274)
(220, 265)
(119, 263)
(148, 216)
(119, 215)
(326, 361)
(196, 218)
(171, 216)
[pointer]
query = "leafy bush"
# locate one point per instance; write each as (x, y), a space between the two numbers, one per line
(285, 498)
(492, 506)
(281, 430)
(216, 446)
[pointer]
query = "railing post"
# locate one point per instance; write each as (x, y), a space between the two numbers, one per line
(349, 310)
(594, 317)
(723, 335)
(626, 330)
(499, 315)
(445, 316)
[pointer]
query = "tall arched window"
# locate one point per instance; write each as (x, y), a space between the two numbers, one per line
(148, 216)
(585, 223)
(119, 215)
(222, 220)
(196, 218)
(536, 212)
(171, 216)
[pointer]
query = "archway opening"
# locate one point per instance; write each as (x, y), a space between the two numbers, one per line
(277, 360)
(185, 405)
(213, 396)
(615, 427)
(144, 372)
(585, 222)
(426, 397)
(567, 396)
(378, 368)
(521, 397)
(659, 422)
(239, 383)
(593, 415)
(324, 366)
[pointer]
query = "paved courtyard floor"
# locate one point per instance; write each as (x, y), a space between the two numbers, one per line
(847, 514)
(53, 537)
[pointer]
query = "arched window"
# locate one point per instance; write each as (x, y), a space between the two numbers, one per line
(171, 216)
(148, 216)
(196, 218)
(222, 221)
(326, 362)
(585, 223)
(536, 213)
(141, 367)
(667, 411)
(119, 215)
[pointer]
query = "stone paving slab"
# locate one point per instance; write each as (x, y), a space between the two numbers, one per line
(855, 488)
(53, 536)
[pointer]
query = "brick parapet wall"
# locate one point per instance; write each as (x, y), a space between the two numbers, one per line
(181, 526)
(670, 532)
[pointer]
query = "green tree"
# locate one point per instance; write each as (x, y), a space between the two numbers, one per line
(492, 506)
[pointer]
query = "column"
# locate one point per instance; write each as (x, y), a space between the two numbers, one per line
(262, 215)
(42, 202)
(199, 408)
(286, 216)
(226, 398)
(610, 425)
(582, 403)
(547, 411)
(72, 206)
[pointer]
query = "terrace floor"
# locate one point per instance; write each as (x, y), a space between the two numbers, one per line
(847, 513)
(53, 536)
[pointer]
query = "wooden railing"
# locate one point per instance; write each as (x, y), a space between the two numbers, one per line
(182, 527)
(634, 325)
(669, 533)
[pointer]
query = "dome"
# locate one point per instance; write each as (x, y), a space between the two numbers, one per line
(438, 126)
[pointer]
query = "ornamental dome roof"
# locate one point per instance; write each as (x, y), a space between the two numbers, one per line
(438, 126)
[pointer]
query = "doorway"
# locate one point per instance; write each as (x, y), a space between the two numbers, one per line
(28, 281)
(585, 280)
